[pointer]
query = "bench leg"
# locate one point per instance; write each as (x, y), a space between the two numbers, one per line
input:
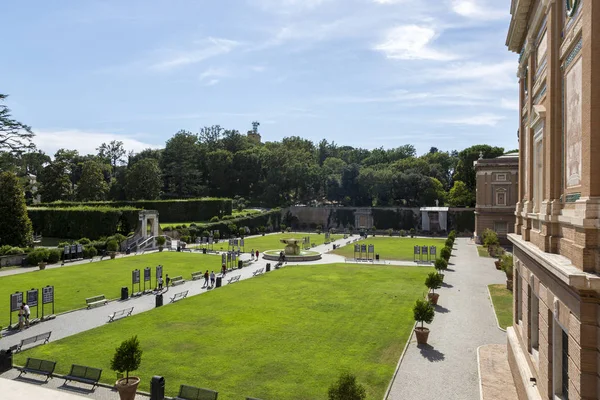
(20, 372)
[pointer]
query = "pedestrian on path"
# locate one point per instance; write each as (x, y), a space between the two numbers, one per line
(212, 278)
(206, 278)
(223, 270)
(168, 281)
(160, 283)
(26, 313)
(252, 254)
(21, 318)
(256, 255)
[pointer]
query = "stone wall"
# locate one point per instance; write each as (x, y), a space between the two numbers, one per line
(383, 218)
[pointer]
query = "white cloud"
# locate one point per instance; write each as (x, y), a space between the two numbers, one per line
(412, 42)
(478, 9)
(408, 98)
(204, 49)
(288, 6)
(83, 141)
(512, 104)
(390, 1)
(500, 75)
(475, 120)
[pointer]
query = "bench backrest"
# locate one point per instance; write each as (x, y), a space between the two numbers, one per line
(43, 336)
(81, 371)
(177, 278)
(194, 393)
(94, 299)
(197, 273)
(40, 365)
(28, 340)
(181, 294)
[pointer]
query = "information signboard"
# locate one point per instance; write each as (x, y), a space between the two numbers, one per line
(363, 248)
(223, 258)
(159, 271)
(48, 295)
(210, 240)
(79, 249)
(357, 248)
(230, 242)
(228, 257)
(417, 249)
(198, 240)
(16, 299)
(204, 240)
(235, 243)
(242, 242)
(433, 250)
(135, 276)
(67, 250)
(147, 274)
(424, 250)
(371, 248)
(32, 297)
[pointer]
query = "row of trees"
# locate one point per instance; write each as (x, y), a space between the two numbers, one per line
(224, 163)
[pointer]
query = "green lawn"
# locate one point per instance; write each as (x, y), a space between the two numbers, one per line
(72, 284)
(502, 298)
(303, 327)
(272, 242)
(393, 248)
(482, 250)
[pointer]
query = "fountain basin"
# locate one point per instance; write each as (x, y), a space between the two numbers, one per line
(304, 255)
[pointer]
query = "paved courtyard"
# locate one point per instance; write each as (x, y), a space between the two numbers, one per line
(464, 321)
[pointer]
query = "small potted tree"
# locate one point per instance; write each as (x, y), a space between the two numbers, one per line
(347, 388)
(112, 247)
(423, 312)
(446, 253)
(441, 265)
(506, 263)
(160, 242)
(127, 358)
(412, 232)
(433, 281)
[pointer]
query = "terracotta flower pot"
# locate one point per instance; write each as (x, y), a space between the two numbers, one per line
(422, 335)
(433, 298)
(113, 255)
(42, 266)
(160, 248)
(126, 388)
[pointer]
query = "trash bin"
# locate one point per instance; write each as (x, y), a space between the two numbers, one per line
(240, 264)
(334, 246)
(268, 267)
(157, 388)
(377, 257)
(219, 281)
(124, 293)
(203, 251)
(159, 300)
(6, 363)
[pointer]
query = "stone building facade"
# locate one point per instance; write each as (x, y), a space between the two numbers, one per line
(553, 345)
(497, 195)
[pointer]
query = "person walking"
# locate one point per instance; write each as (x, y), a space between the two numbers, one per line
(206, 279)
(26, 313)
(252, 253)
(256, 255)
(168, 281)
(160, 283)
(21, 318)
(212, 278)
(223, 270)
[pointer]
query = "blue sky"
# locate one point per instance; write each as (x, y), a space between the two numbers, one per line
(365, 73)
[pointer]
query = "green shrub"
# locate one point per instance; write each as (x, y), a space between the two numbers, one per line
(288, 229)
(54, 256)
(4, 249)
(347, 388)
(37, 256)
(84, 241)
(390, 232)
(452, 235)
(446, 253)
(402, 232)
(161, 240)
(412, 232)
(490, 238)
(89, 251)
(99, 244)
(112, 245)
(433, 281)
(185, 239)
(127, 357)
(441, 264)
(506, 265)
(167, 229)
(449, 243)
(14, 251)
(423, 312)
(242, 230)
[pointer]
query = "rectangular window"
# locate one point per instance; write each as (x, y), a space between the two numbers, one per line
(560, 361)
(517, 284)
(501, 177)
(501, 228)
(538, 168)
(565, 366)
(535, 322)
(501, 197)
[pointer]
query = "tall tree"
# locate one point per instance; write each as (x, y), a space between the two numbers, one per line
(465, 171)
(144, 180)
(179, 164)
(14, 135)
(113, 152)
(16, 225)
(460, 195)
(92, 186)
(54, 182)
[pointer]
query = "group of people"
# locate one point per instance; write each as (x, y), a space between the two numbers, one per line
(161, 282)
(24, 313)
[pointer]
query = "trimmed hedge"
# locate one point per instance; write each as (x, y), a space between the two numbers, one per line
(393, 219)
(253, 222)
(83, 222)
(169, 210)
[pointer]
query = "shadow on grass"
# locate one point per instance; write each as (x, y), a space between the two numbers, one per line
(430, 353)
(440, 309)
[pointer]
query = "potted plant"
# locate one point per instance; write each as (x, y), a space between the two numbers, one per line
(127, 358)
(433, 281)
(42, 265)
(423, 312)
(112, 246)
(160, 241)
(446, 253)
(507, 266)
(412, 232)
(441, 265)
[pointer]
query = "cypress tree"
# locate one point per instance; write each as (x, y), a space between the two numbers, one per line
(16, 225)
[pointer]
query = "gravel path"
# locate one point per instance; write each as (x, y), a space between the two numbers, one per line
(446, 368)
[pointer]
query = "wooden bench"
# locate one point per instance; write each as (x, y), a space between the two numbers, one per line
(193, 393)
(177, 280)
(258, 272)
(234, 279)
(197, 275)
(42, 336)
(39, 367)
(179, 296)
(83, 374)
(126, 312)
(95, 301)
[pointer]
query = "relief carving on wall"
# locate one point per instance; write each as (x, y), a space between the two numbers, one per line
(573, 119)
(542, 49)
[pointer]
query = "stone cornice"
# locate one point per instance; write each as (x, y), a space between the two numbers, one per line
(518, 24)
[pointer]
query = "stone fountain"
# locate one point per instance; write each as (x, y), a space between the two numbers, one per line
(293, 252)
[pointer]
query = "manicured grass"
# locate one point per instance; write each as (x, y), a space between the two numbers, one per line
(390, 248)
(287, 334)
(482, 250)
(72, 284)
(502, 298)
(272, 242)
(235, 214)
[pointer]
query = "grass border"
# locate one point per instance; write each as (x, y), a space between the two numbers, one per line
(494, 308)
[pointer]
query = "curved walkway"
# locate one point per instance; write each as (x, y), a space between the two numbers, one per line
(446, 368)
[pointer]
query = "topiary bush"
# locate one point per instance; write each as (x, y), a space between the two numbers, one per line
(127, 357)
(54, 256)
(441, 264)
(112, 245)
(89, 251)
(37, 256)
(347, 388)
(449, 243)
(84, 241)
(446, 253)
(433, 281)
(490, 238)
(423, 312)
